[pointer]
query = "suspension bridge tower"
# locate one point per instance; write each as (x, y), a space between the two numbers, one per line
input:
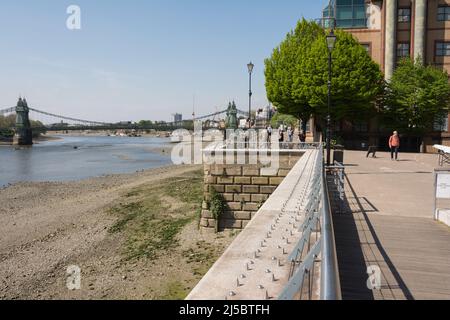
(23, 136)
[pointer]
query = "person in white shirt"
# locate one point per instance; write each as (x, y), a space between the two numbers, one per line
(290, 133)
(269, 133)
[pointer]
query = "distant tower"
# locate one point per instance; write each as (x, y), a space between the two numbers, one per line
(177, 118)
(23, 136)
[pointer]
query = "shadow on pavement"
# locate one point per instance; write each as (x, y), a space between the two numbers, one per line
(358, 247)
(391, 172)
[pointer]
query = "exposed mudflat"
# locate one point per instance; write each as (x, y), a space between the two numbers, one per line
(46, 227)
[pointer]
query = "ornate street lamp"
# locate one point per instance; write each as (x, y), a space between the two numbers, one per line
(331, 40)
(250, 67)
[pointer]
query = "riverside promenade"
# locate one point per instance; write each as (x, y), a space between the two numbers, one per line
(388, 222)
(257, 265)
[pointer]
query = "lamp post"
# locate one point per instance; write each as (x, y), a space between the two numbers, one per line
(331, 40)
(250, 67)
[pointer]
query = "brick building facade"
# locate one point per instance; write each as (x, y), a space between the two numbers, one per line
(390, 30)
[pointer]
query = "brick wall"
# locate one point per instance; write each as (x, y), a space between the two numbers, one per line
(244, 188)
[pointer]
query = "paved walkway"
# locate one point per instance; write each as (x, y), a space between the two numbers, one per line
(389, 224)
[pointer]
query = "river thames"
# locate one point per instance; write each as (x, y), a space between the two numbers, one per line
(75, 158)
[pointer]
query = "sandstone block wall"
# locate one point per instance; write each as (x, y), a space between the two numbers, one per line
(244, 187)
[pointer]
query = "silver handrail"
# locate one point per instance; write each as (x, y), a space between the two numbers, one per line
(318, 219)
(330, 282)
(338, 171)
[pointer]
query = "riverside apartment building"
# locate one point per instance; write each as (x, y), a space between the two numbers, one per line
(391, 30)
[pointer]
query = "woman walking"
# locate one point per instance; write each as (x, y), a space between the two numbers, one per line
(290, 133)
(394, 145)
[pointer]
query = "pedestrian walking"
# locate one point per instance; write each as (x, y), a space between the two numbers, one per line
(280, 137)
(394, 145)
(290, 133)
(302, 138)
(269, 134)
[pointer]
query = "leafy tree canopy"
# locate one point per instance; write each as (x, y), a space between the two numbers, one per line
(285, 119)
(417, 97)
(8, 121)
(284, 83)
(297, 75)
(357, 80)
(36, 124)
(145, 123)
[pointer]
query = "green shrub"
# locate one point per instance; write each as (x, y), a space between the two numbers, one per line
(217, 206)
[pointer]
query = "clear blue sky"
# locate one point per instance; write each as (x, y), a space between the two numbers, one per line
(141, 59)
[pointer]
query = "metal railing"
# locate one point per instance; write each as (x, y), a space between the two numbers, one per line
(300, 145)
(274, 145)
(316, 245)
(330, 283)
(337, 174)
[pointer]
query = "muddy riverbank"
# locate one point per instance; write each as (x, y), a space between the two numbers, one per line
(134, 236)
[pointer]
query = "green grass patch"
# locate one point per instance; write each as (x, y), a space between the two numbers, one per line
(151, 216)
(153, 238)
(127, 212)
(175, 291)
(202, 257)
(188, 190)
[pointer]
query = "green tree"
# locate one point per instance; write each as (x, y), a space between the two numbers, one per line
(297, 76)
(6, 125)
(145, 123)
(36, 124)
(284, 72)
(357, 81)
(38, 128)
(417, 97)
(8, 121)
(286, 119)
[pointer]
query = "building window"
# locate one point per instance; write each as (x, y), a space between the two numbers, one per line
(443, 13)
(404, 15)
(441, 124)
(403, 50)
(442, 49)
(366, 46)
(348, 13)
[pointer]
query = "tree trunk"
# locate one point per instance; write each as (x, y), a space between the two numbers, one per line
(304, 122)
